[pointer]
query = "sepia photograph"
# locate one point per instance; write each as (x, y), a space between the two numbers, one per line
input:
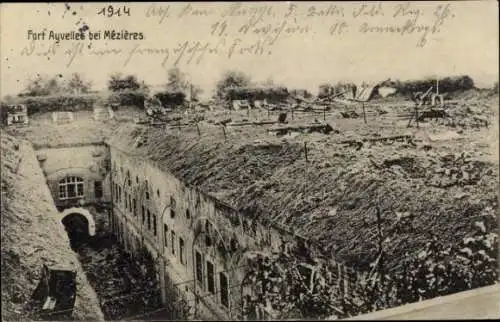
(267, 160)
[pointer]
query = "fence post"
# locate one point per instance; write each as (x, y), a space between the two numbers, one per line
(364, 112)
(416, 115)
(224, 131)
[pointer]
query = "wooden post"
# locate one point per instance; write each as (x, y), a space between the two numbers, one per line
(411, 117)
(324, 112)
(305, 170)
(346, 282)
(437, 86)
(198, 128)
(364, 112)
(267, 111)
(224, 131)
(293, 109)
(416, 115)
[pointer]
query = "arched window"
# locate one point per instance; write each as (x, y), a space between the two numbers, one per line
(129, 179)
(149, 219)
(146, 183)
(70, 187)
(154, 224)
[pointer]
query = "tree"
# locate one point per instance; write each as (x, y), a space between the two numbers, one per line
(196, 91)
(177, 81)
(42, 86)
(118, 83)
(231, 79)
(268, 82)
(8, 99)
(76, 84)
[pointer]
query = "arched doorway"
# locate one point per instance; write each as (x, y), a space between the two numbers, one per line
(79, 225)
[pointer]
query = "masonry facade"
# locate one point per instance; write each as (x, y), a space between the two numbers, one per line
(198, 244)
(76, 175)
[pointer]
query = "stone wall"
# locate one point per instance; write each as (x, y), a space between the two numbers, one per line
(88, 162)
(184, 213)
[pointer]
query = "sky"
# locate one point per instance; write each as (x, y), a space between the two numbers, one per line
(467, 42)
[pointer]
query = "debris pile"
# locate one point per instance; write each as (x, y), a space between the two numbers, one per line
(349, 114)
(318, 128)
(123, 288)
(288, 286)
(457, 170)
(467, 115)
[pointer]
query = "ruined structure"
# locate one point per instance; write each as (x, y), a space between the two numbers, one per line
(233, 234)
(33, 236)
(235, 223)
(17, 114)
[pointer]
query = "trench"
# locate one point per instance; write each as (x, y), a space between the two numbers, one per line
(127, 287)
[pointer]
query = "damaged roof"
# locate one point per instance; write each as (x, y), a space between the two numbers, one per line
(332, 196)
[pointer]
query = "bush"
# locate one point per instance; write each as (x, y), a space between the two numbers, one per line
(446, 85)
(272, 94)
(169, 98)
(438, 270)
(128, 98)
(55, 103)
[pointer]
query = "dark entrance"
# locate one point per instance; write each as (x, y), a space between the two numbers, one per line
(77, 227)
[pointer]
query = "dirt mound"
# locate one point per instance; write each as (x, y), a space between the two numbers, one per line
(472, 94)
(331, 197)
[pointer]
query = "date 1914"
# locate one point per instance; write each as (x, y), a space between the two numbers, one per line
(111, 11)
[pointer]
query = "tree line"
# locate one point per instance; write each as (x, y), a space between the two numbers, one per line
(232, 85)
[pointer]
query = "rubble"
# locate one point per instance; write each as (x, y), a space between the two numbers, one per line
(319, 128)
(466, 115)
(123, 289)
